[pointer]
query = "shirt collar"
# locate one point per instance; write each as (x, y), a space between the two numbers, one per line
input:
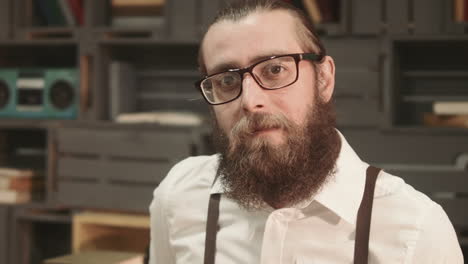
(343, 192)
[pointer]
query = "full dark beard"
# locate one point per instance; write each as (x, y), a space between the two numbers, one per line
(254, 172)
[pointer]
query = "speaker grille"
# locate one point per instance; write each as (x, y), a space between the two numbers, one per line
(62, 95)
(4, 94)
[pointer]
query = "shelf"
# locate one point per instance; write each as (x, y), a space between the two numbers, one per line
(435, 74)
(189, 97)
(425, 130)
(432, 98)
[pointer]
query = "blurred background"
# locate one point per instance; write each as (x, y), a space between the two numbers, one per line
(97, 102)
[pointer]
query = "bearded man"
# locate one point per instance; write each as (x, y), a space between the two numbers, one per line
(285, 186)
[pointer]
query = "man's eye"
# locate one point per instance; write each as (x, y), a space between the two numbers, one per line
(228, 81)
(275, 69)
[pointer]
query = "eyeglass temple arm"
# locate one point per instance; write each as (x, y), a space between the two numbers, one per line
(313, 57)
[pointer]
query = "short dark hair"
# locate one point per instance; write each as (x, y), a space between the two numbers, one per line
(239, 9)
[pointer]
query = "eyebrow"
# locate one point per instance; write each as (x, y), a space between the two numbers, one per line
(233, 65)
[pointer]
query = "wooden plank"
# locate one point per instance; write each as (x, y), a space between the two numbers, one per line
(356, 112)
(406, 148)
(97, 257)
(208, 12)
(356, 82)
(397, 16)
(133, 172)
(366, 17)
(98, 230)
(162, 145)
(6, 21)
(182, 19)
(429, 16)
(101, 196)
(456, 210)
(112, 219)
(5, 231)
(79, 169)
(430, 181)
(353, 52)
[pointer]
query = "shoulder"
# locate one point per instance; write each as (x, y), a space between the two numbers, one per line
(190, 174)
(189, 171)
(420, 222)
(393, 190)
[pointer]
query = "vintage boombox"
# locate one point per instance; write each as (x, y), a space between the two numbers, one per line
(39, 93)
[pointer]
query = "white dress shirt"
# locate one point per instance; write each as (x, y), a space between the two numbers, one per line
(407, 227)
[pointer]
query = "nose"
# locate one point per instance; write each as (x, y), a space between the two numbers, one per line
(253, 97)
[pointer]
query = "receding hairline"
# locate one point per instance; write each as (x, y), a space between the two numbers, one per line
(303, 36)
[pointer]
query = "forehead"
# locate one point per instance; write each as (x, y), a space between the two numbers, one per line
(240, 43)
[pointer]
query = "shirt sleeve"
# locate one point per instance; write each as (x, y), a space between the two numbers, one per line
(437, 241)
(160, 248)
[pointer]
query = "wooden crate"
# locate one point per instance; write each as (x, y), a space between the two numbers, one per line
(110, 231)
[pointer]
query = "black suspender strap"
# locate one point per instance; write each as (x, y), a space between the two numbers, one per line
(361, 246)
(212, 226)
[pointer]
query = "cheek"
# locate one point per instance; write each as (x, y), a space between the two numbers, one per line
(225, 116)
(294, 104)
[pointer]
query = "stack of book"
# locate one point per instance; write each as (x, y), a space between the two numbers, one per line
(448, 114)
(137, 13)
(59, 12)
(461, 11)
(19, 185)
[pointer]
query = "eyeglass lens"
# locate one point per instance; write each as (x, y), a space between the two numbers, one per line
(270, 74)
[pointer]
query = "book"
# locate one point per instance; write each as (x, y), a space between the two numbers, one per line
(459, 10)
(137, 21)
(123, 87)
(330, 10)
(67, 12)
(16, 173)
(76, 7)
(26, 184)
(450, 108)
(98, 257)
(162, 118)
(313, 10)
(145, 3)
(434, 120)
(54, 13)
(10, 196)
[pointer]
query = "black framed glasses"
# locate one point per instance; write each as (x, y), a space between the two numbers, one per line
(272, 73)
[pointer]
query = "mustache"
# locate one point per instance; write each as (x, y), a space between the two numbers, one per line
(249, 124)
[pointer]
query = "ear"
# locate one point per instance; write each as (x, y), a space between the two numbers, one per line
(326, 78)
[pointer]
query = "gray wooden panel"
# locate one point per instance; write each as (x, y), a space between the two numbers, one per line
(356, 112)
(209, 10)
(353, 53)
(429, 16)
(141, 172)
(456, 210)
(133, 172)
(366, 16)
(397, 16)
(431, 181)
(406, 148)
(183, 23)
(125, 143)
(356, 82)
(4, 233)
(106, 197)
(5, 19)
